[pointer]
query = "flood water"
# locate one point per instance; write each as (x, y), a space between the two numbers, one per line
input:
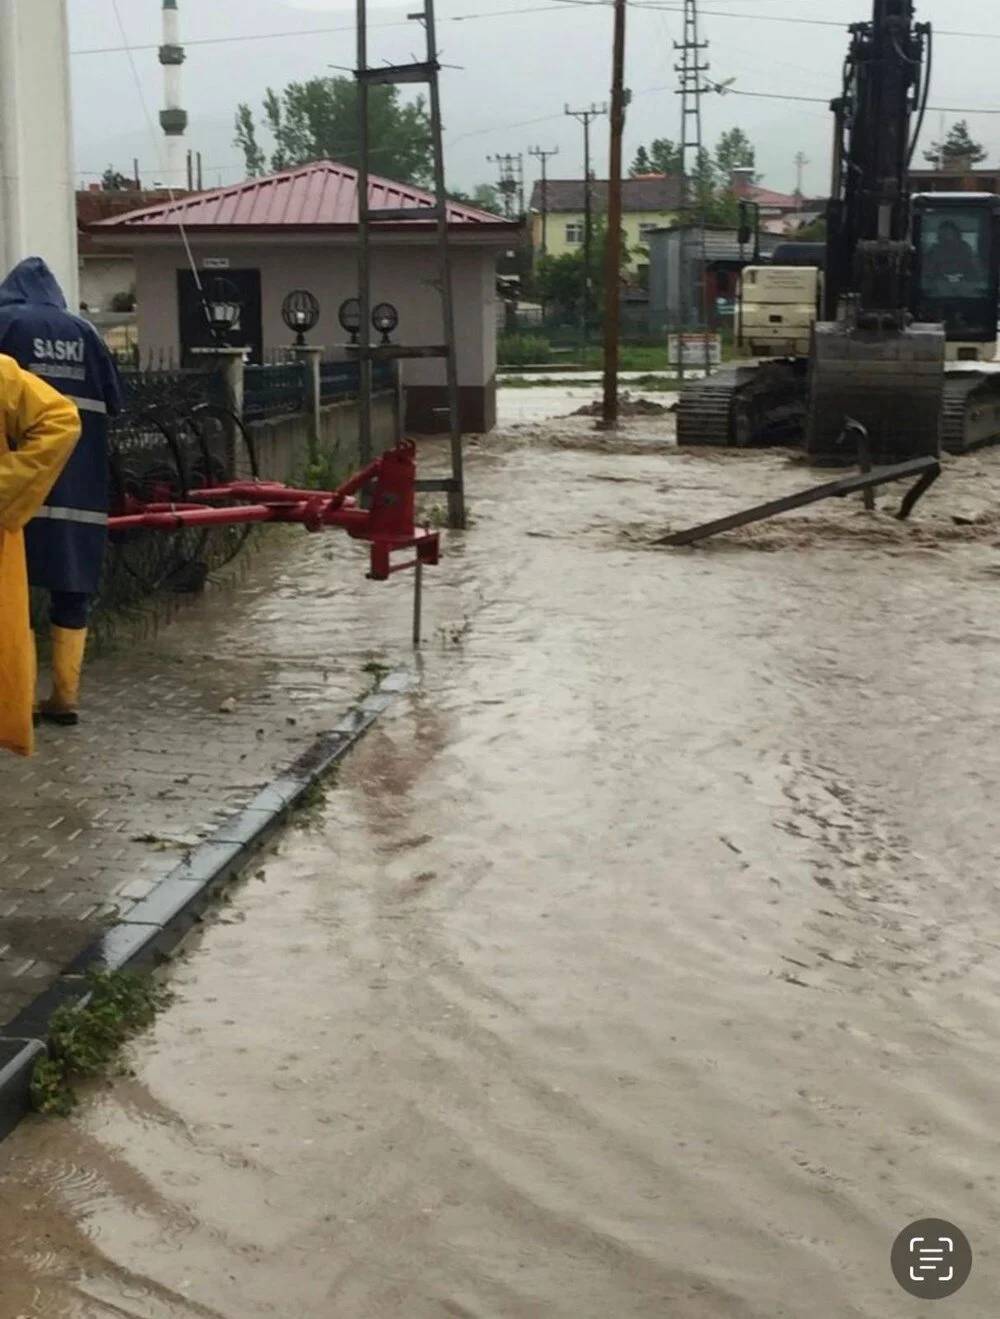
(642, 963)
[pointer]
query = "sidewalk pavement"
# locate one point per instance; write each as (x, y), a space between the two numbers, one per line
(180, 730)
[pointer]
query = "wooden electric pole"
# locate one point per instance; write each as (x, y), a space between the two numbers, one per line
(613, 249)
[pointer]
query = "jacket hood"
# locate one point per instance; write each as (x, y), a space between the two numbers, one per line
(31, 281)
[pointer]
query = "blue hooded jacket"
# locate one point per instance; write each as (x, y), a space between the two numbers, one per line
(66, 541)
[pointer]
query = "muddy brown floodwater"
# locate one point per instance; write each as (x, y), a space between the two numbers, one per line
(643, 963)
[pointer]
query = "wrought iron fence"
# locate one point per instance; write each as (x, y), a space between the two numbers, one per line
(274, 390)
(340, 380)
(171, 387)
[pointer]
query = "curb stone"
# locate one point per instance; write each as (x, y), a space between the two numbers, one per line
(155, 925)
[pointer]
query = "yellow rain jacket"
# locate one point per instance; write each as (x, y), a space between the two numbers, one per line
(38, 431)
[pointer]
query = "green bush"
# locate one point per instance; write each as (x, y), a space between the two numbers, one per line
(83, 1041)
(523, 350)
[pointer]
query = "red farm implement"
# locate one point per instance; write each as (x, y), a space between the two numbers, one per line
(384, 519)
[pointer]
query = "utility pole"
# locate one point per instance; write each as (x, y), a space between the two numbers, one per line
(425, 71)
(613, 250)
(510, 184)
(801, 161)
(691, 69)
(585, 117)
(543, 156)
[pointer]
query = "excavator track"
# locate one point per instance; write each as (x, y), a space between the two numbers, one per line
(970, 417)
(704, 408)
(745, 406)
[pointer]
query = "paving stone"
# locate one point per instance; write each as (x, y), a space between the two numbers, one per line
(106, 812)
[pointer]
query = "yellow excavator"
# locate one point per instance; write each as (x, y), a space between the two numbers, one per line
(899, 328)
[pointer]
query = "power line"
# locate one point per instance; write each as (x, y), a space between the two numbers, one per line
(328, 31)
(729, 91)
(653, 5)
(825, 100)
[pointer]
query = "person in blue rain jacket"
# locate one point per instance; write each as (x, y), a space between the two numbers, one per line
(66, 540)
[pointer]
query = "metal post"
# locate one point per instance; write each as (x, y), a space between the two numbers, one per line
(613, 250)
(456, 495)
(364, 264)
(690, 69)
(587, 227)
(418, 601)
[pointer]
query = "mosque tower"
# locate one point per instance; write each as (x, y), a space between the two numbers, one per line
(173, 119)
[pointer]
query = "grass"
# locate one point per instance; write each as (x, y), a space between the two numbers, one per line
(631, 357)
(309, 807)
(649, 383)
(85, 1040)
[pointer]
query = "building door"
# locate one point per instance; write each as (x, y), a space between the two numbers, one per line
(195, 333)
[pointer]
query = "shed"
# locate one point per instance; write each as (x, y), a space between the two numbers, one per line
(675, 258)
(298, 229)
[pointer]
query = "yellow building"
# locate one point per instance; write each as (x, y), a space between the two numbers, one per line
(649, 202)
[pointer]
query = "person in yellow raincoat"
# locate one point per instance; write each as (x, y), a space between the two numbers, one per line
(39, 429)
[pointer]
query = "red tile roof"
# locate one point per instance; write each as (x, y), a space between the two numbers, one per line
(322, 195)
(784, 201)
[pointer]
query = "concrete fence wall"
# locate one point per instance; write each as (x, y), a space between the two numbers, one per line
(282, 443)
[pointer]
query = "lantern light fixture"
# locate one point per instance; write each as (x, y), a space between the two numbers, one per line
(300, 312)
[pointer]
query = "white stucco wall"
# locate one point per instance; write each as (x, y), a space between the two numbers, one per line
(37, 184)
(405, 275)
(102, 277)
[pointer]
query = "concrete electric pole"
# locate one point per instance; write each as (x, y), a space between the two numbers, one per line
(586, 117)
(801, 161)
(543, 156)
(37, 177)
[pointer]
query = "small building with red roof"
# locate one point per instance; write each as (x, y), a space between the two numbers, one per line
(298, 229)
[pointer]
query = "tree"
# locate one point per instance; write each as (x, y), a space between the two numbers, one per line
(113, 181)
(662, 156)
(484, 196)
(665, 156)
(734, 150)
(642, 163)
(558, 280)
(246, 140)
(317, 120)
(959, 150)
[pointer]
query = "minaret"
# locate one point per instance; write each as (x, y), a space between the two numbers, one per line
(173, 120)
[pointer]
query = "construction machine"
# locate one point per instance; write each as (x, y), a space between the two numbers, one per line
(907, 298)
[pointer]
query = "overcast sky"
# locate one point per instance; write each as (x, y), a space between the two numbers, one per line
(518, 63)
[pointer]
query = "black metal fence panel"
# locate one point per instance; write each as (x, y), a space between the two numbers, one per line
(340, 380)
(273, 391)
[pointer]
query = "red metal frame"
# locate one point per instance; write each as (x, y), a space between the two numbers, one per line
(387, 524)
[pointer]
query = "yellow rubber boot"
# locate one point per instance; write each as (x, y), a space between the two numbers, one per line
(62, 707)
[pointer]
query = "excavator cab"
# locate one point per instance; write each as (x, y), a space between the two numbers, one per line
(956, 270)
